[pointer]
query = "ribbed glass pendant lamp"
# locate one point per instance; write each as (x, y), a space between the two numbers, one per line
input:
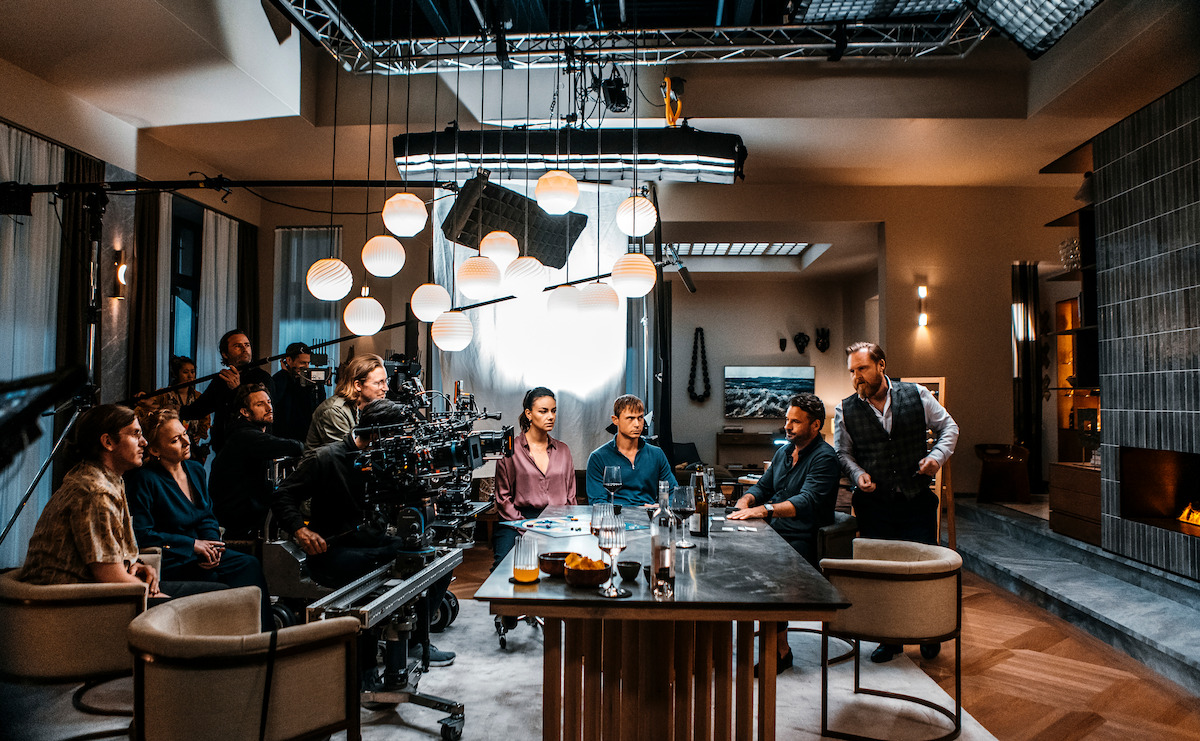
(329, 279)
(478, 278)
(430, 301)
(633, 275)
(452, 331)
(383, 256)
(364, 315)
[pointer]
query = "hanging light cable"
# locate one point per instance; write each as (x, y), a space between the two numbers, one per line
(633, 273)
(597, 300)
(404, 214)
(557, 191)
(382, 255)
(636, 215)
(330, 279)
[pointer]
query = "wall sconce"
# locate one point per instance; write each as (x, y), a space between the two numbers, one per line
(122, 275)
(922, 313)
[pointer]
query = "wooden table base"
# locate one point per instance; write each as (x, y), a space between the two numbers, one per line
(656, 680)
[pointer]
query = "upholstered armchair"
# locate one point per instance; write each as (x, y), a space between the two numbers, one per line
(900, 592)
(201, 666)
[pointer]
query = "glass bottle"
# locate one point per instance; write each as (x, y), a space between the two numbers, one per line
(662, 546)
(699, 526)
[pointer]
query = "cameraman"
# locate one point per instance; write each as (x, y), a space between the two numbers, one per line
(218, 399)
(361, 380)
(341, 543)
(294, 395)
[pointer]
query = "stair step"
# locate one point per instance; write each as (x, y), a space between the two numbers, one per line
(1150, 614)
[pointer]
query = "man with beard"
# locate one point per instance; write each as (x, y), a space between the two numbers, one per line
(798, 492)
(218, 398)
(240, 484)
(880, 436)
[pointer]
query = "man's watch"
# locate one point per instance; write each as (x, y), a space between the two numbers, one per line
(770, 508)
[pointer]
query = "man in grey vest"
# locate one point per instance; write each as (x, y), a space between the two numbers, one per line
(880, 437)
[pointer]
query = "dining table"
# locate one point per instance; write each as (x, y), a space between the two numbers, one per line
(680, 668)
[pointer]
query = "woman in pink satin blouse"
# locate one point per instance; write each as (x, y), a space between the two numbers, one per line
(540, 472)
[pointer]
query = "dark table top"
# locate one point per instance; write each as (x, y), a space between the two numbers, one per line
(728, 576)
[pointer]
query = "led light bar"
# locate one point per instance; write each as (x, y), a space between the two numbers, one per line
(741, 249)
(679, 154)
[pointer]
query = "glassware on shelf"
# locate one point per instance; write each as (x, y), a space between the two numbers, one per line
(612, 542)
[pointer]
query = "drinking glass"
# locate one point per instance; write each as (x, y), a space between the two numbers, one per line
(612, 542)
(683, 504)
(525, 560)
(599, 510)
(612, 480)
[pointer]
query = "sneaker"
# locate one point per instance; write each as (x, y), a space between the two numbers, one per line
(885, 652)
(437, 657)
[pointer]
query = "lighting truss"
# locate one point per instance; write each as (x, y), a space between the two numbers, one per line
(952, 34)
(741, 249)
(680, 154)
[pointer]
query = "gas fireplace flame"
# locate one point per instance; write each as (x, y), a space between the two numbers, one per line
(1190, 516)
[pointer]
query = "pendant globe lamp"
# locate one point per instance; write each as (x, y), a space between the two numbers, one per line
(633, 275)
(526, 276)
(500, 247)
(430, 301)
(478, 277)
(452, 331)
(383, 256)
(597, 300)
(404, 214)
(364, 315)
(329, 279)
(563, 302)
(557, 192)
(636, 216)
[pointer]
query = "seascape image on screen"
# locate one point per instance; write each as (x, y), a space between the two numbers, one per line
(762, 392)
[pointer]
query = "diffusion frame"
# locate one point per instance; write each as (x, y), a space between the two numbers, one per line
(762, 392)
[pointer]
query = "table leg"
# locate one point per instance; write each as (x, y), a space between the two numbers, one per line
(686, 677)
(552, 681)
(610, 670)
(655, 721)
(631, 660)
(572, 678)
(767, 657)
(744, 683)
(591, 679)
(722, 655)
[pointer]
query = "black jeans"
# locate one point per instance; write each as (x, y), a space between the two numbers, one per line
(891, 516)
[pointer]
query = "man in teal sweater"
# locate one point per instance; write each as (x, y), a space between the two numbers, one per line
(642, 465)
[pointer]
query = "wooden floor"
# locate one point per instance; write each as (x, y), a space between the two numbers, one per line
(1026, 673)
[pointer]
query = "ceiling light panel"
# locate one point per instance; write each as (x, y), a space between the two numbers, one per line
(740, 249)
(1034, 24)
(826, 11)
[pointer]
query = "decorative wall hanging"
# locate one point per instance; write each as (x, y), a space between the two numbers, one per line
(698, 346)
(822, 338)
(801, 341)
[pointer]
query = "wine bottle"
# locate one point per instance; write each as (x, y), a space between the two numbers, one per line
(700, 519)
(662, 546)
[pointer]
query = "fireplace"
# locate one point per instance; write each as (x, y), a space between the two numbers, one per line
(1158, 485)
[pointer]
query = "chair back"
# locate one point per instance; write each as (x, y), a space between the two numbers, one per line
(900, 592)
(200, 667)
(65, 632)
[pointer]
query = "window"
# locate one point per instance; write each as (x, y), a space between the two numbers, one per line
(300, 317)
(186, 231)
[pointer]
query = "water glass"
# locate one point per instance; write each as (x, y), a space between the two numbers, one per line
(525, 560)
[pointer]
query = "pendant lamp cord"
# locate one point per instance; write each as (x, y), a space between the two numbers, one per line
(698, 346)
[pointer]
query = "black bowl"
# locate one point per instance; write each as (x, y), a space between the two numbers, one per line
(628, 570)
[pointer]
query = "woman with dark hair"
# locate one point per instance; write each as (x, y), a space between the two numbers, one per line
(539, 473)
(182, 369)
(168, 499)
(85, 533)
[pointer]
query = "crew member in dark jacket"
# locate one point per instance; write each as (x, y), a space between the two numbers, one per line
(341, 543)
(218, 399)
(168, 500)
(293, 395)
(241, 472)
(798, 492)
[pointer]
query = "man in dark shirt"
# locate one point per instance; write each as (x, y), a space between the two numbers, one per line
(241, 485)
(798, 492)
(293, 395)
(642, 465)
(218, 398)
(341, 543)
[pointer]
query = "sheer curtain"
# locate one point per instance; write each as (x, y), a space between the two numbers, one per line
(29, 263)
(300, 317)
(517, 345)
(218, 289)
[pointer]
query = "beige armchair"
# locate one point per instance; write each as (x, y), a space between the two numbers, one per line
(201, 665)
(900, 592)
(60, 633)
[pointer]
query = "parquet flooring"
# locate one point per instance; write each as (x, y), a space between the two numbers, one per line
(1027, 674)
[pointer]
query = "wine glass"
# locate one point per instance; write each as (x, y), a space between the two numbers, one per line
(612, 542)
(716, 498)
(612, 480)
(683, 504)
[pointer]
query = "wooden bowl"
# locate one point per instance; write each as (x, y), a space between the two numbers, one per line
(586, 577)
(553, 563)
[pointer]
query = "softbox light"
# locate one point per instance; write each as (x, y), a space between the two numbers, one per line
(483, 207)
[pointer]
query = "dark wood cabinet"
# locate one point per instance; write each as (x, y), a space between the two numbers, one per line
(1075, 501)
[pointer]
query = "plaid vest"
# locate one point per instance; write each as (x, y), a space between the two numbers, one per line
(890, 460)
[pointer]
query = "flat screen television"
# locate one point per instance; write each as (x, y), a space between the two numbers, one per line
(762, 392)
